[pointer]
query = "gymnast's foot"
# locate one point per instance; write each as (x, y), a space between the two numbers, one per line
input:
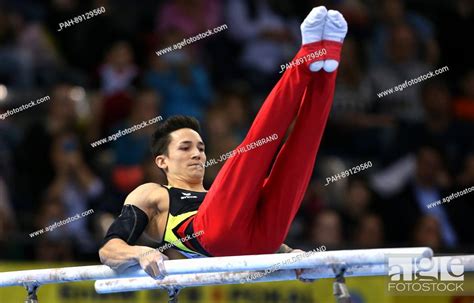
(312, 31)
(335, 29)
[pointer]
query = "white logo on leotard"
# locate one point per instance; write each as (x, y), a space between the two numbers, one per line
(188, 196)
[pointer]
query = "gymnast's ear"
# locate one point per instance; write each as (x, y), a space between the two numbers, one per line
(161, 162)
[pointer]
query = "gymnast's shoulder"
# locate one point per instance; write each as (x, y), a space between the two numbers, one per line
(149, 197)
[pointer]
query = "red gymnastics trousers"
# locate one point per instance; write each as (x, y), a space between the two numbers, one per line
(249, 208)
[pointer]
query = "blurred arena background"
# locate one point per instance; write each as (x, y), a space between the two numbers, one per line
(103, 75)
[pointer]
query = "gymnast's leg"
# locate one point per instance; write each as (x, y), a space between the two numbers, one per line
(284, 189)
(228, 214)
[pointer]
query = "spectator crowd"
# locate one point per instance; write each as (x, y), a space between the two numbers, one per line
(103, 75)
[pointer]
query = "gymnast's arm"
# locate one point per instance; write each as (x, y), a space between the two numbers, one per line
(118, 250)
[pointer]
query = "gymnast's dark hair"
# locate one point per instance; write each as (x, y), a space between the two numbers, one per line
(161, 138)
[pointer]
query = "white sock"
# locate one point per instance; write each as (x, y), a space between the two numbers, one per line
(330, 65)
(335, 29)
(316, 66)
(312, 30)
(313, 25)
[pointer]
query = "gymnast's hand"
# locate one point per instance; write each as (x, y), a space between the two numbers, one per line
(300, 271)
(152, 262)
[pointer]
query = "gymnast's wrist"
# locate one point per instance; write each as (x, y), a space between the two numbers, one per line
(141, 251)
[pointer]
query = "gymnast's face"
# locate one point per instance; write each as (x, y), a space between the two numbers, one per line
(186, 156)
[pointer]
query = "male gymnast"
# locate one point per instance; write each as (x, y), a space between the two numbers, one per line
(251, 204)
